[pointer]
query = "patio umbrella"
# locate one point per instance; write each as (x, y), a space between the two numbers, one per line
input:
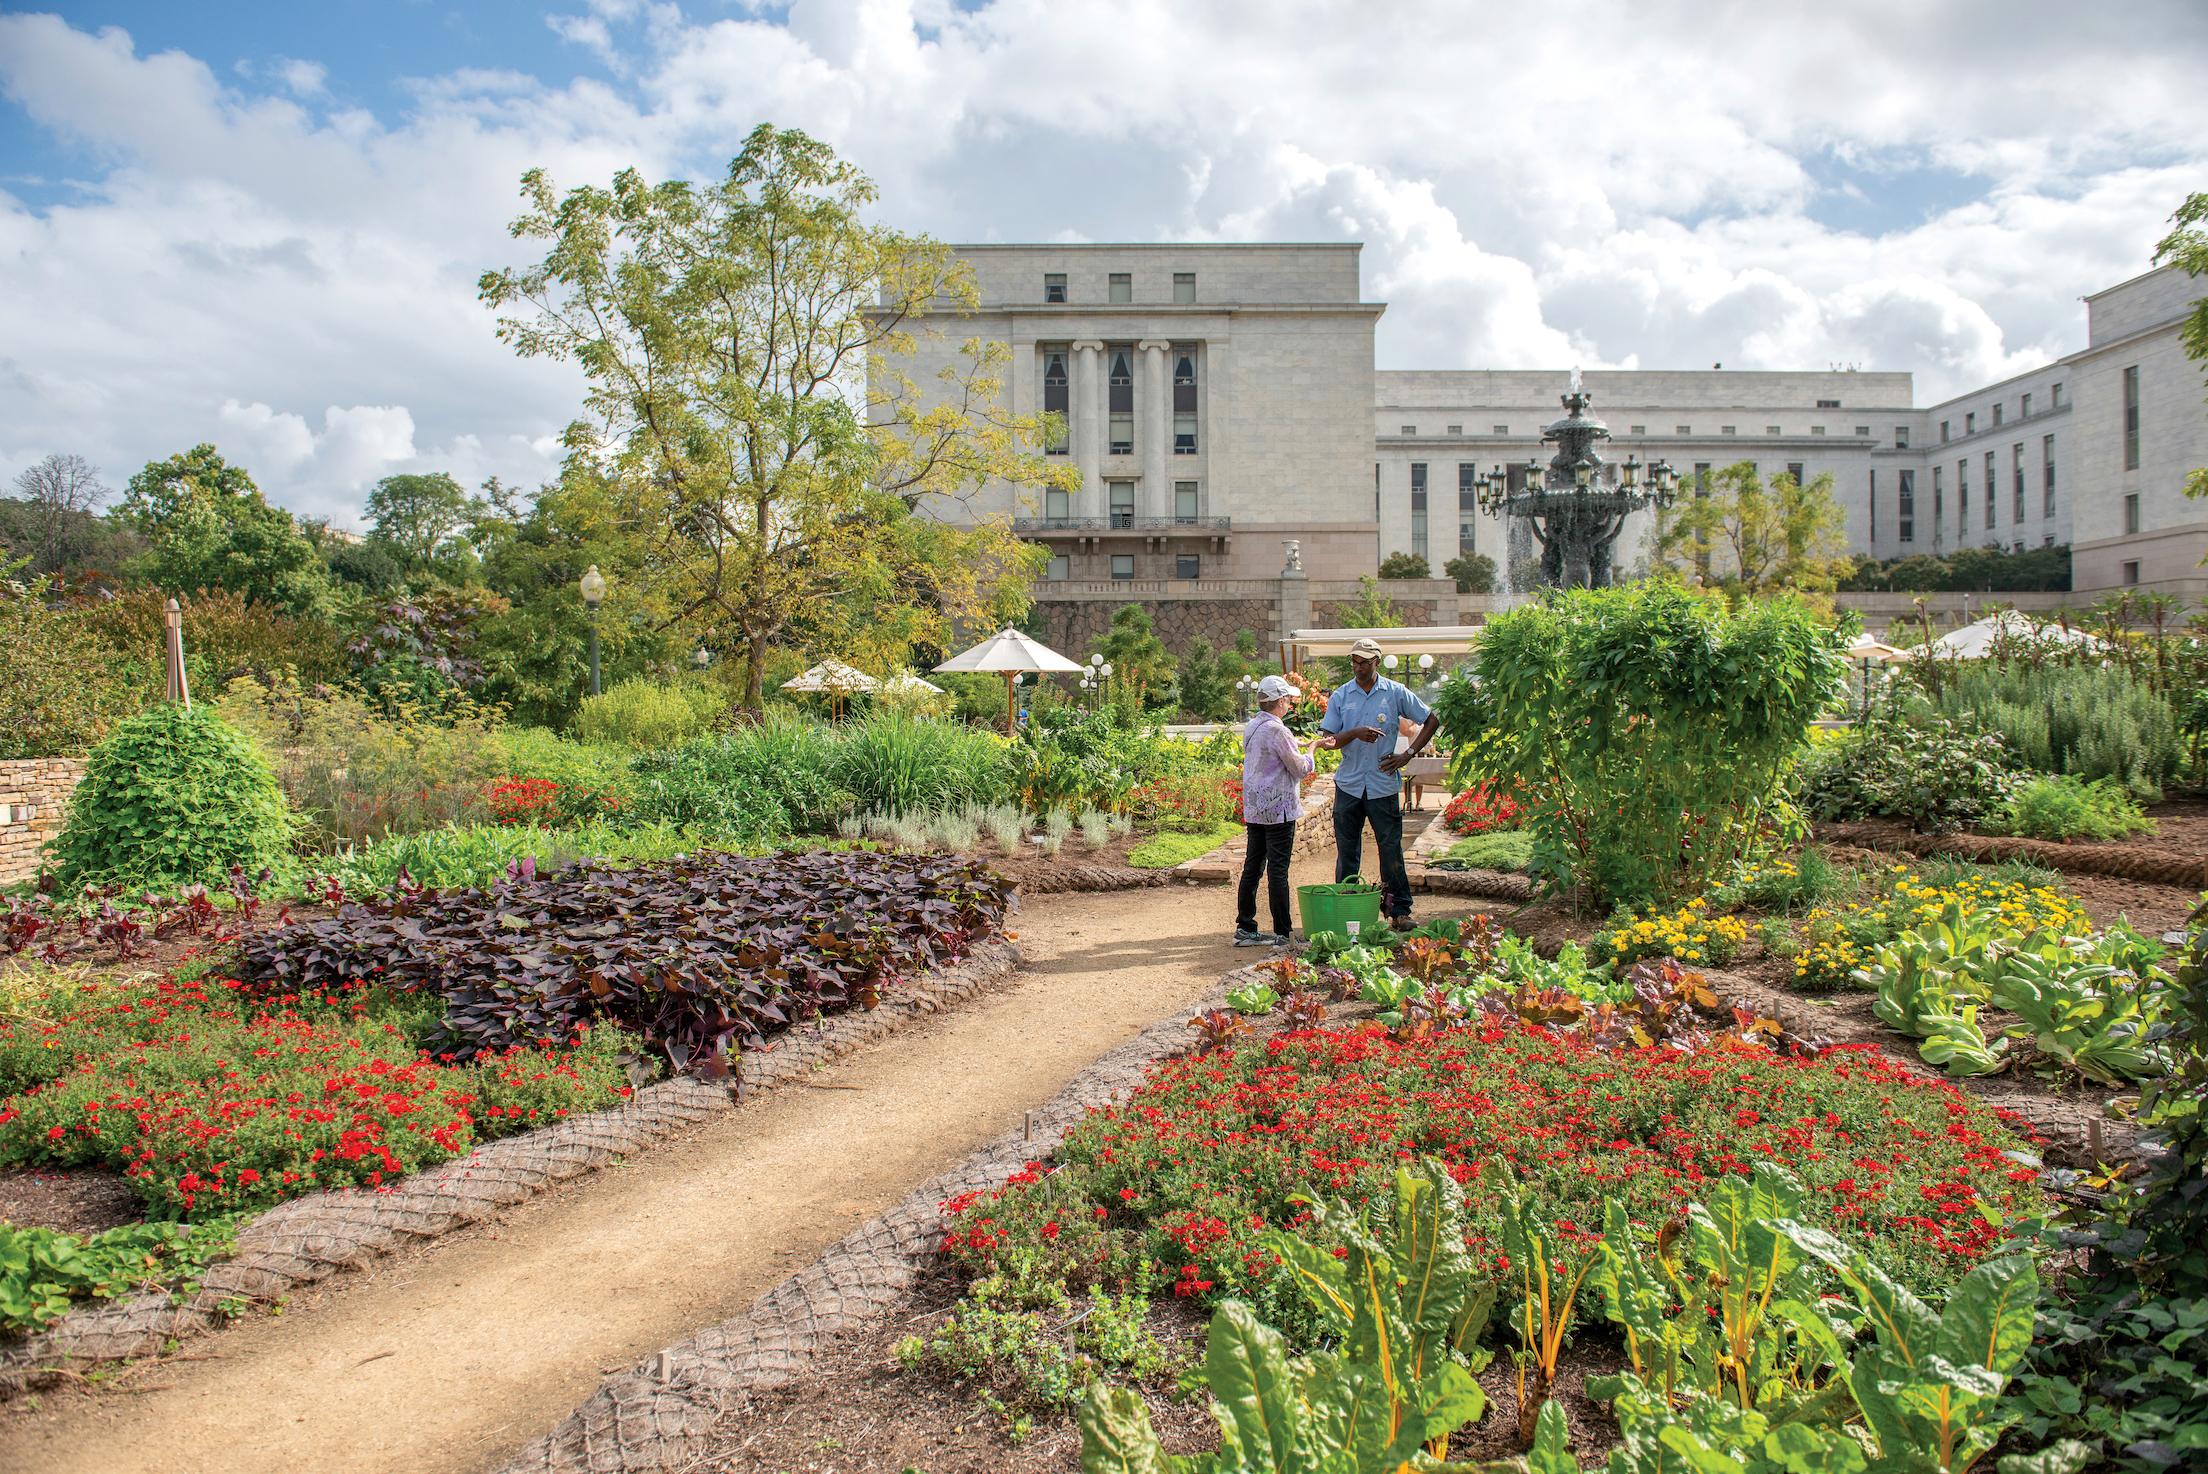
(833, 677)
(907, 681)
(1013, 655)
(1975, 641)
(179, 689)
(1868, 652)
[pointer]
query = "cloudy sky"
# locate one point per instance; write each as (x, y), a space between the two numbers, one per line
(261, 223)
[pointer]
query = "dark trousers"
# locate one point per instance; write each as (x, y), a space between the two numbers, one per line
(1270, 848)
(1385, 814)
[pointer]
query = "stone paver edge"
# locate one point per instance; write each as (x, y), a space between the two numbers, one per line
(661, 1415)
(307, 1239)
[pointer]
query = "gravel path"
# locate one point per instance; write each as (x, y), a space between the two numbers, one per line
(452, 1356)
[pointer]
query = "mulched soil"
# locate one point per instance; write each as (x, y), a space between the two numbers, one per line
(163, 953)
(857, 1412)
(1075, 867)
(84, 1201)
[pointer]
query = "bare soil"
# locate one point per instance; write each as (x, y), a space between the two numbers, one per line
(81, 1202)
(451, 1355)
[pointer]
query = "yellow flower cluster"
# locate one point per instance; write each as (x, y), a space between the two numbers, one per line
(1838, 940)
(1690, 934)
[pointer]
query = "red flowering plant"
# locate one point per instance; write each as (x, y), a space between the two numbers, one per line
(1187, 800)
(1481, 807)
(213, 1104)
(524, 801)
(1213, 1150)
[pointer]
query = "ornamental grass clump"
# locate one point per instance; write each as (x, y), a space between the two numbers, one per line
(1645, 730)
(173, 797)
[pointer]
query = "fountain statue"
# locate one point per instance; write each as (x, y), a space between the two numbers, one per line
(1576, 504)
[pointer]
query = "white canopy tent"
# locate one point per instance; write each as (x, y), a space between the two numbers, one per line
(1012, 655)
(832, 676)
(1975, 641)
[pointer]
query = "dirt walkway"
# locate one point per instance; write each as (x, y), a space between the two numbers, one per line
(447, 1357)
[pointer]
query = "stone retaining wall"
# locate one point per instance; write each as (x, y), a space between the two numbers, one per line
(34, 795)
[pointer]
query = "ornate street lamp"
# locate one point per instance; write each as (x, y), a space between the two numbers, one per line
(1578, 502)
(593, 585)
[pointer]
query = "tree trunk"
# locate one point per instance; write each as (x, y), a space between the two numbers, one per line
(755, 672)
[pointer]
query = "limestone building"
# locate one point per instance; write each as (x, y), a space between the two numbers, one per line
(1221, 399)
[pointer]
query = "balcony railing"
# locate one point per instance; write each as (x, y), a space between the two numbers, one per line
(1119, 522)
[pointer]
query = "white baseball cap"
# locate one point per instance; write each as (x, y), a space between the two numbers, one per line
(1272, 688)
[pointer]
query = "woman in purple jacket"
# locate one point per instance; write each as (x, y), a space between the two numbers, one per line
(1274, 766)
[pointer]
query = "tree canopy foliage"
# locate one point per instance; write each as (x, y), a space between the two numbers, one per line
(1739, 532)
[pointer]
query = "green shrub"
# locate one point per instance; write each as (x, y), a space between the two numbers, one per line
(580, 768)
(357, 771)
(171, 797)
(63, 688)
(43, 1270)
(893, 763)
(2066, 808)
(1936, 774)
(479, 854)
(757, 783)
(1645, 731)
(642, 712)
(2086, 721)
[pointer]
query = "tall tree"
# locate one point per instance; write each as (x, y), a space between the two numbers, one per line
(60, 494)
(726, 332)
(414, 514)
(2186, 248)
(1789, 534)
(210, 528)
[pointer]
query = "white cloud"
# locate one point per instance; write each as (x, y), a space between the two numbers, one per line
(1896, 185)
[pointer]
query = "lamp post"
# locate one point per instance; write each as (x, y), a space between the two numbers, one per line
(1245, 689)
(594, 593)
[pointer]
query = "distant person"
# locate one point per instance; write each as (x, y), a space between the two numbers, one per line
(1274, 766)
(1362, 721)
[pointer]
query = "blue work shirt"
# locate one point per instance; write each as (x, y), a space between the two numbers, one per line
(1384, 707)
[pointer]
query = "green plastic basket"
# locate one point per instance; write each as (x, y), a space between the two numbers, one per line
(1324, 908)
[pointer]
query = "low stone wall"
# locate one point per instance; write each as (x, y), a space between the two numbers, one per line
(34, 795)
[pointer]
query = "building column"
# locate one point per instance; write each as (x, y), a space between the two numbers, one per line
(1087, 429)
(1155, 429)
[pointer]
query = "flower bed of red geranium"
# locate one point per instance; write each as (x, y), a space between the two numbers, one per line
(1478, 809)
(213, 1105)
(1214, 1149)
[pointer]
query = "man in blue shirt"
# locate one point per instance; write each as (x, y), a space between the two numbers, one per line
(1362, 722)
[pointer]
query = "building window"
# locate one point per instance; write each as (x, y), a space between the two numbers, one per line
(1468, 507)
(1056, 506)
(2131, 573)
(1728, 429)
(1943, 432)
(1816, 429)
(1122, 495)
(2016, 469)
(1418, 508)
(1184, 286)
(1121, 403)
(1184, 501)
(1188, 565)
(1771, 430)
(1905, 509)
(1872, 503)
(1410, 429)
(1639, 430)
(1682, 429)
(1828, 404)
(1054, 286)
(2131, 511)
(2047, 475)
(1799, 471)
(1502, 429)
(2131, 418)
(1993, 489)
(1970, 423)
(2024, 408)
(1123, 565)
(1121, 287)
(2047, 540)
(1055, 401)
(1962, 493)
(1863, 430)
(1901, 439)
(1939, 500)
(1184, 400)
(1061, 568)
(1456, 429)
(2054, 395)
(1998, 407)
